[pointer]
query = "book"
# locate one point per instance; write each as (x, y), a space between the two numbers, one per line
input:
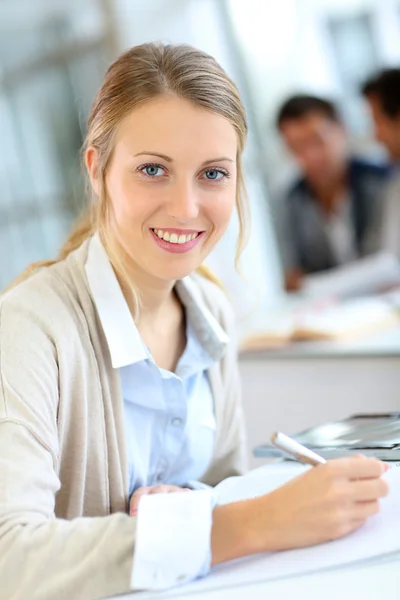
(325, 321)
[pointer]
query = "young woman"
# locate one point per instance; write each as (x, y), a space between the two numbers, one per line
(118, 370)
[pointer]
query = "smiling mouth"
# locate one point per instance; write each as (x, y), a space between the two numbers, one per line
(174, 238)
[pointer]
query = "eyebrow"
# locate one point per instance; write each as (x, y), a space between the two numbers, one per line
(169, 159)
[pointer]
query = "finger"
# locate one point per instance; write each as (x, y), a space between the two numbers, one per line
(135, 499)
(363, 510)
(167, 489)
(163, 489)
(356, 467)
(370, 489)
(356, 524)
(141, 491)
(363, 457)
(348, 526)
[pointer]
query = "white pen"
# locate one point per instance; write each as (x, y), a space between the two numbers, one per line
(296, 450)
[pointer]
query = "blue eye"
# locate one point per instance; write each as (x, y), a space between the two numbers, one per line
(152, 170)
(215, 174)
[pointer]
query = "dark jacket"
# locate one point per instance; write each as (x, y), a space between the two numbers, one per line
(305, 244)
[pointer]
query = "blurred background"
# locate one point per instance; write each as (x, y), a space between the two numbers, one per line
(53, 54)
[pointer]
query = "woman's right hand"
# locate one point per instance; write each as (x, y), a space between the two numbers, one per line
(323, 504)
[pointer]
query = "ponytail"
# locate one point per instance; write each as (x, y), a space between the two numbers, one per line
(82, 231)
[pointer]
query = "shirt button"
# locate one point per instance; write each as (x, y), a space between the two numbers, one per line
(177, 422)
(160, 476)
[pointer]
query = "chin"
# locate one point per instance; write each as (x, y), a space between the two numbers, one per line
(176, 274)
(170, 272)
(320, 176)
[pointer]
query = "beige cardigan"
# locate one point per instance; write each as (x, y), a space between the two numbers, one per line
(64, 529)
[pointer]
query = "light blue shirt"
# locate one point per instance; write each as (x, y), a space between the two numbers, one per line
(170, 422)
(169, 417)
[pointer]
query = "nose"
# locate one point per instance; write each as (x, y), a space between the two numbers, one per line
(309, 163)
(183, 202)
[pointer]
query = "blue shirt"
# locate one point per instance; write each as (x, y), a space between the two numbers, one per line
(170, 421)
(169, 417)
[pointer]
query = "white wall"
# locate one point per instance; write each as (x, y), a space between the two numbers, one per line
(290, 395)
(287, 50)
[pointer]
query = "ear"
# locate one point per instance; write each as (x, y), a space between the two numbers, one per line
(92, 161)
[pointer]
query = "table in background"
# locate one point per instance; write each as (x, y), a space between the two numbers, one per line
(301, 385)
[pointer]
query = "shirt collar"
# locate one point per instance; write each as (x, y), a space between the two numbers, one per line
(123, 338)
(124, 342)
(206, 327)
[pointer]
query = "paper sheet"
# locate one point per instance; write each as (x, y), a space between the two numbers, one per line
(257, 482)
(367, 275)
(379, 536)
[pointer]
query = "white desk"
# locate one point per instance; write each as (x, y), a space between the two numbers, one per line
(371, 578)
(305, 384)
(372, 581)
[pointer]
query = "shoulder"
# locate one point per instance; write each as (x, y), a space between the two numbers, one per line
(49, 298)
(37, 293)
(296, 192)
(362, 167)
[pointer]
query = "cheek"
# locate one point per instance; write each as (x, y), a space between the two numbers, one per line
(220, 211)
(392, 134)
(117, 193)
(384, 129)
(129, 202)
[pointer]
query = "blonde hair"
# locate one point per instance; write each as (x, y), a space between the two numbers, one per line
(139, 75)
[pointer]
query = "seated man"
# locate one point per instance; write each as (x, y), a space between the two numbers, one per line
(383, 95)
(330, 215)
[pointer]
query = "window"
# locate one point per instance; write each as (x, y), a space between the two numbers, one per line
(48, 76)
(355, 58)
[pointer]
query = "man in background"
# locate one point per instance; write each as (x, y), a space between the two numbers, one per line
(383, 95)
(330, 215)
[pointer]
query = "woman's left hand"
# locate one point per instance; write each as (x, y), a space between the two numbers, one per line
(154, 489)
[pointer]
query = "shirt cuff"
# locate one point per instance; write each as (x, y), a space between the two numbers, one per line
(173, 535)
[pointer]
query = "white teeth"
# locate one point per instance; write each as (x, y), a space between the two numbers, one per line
(173, 238)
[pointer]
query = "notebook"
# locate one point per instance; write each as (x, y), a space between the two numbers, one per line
(379, 537)
(371, 434)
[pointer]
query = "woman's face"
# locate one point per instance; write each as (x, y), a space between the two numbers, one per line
(172, 184)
